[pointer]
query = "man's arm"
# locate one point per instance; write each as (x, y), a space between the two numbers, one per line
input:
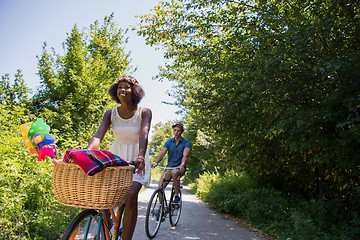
(185, 157)
(161, 155)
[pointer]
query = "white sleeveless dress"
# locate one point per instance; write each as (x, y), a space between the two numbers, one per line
(126, 144)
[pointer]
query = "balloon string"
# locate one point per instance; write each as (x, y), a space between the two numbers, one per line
(56, 153)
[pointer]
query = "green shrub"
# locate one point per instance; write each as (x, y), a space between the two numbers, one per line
(285, 216)
(28, 207)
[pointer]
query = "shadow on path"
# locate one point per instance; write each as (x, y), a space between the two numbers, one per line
(197, 221)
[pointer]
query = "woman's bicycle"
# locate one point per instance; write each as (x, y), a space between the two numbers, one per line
(102, 195)
(159, 208)
(92, 224)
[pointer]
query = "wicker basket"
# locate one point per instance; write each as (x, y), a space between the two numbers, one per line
(106, 189)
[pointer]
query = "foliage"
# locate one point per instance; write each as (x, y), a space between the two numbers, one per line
(72, 99)
(205, 154)
(161, 133)
(16, 92)
(28, 208)
(275, 81)
(73, 94)
(285, 216)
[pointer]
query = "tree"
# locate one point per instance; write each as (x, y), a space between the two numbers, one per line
(161, 133)
(13, 93)
(275, 81)
(72, 99)
(73, 94)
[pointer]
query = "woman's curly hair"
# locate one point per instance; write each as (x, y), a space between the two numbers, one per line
(136, 90)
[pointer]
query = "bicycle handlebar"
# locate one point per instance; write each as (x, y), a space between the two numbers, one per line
(132, 163)
(167, 168)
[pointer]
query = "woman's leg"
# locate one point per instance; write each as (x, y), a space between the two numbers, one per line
(131, 211)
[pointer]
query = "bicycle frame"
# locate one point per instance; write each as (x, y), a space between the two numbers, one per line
(165, 169)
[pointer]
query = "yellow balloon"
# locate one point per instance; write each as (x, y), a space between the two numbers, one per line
(24, 129)
(38, 139)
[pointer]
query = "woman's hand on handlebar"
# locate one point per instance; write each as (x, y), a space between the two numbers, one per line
(140, 165)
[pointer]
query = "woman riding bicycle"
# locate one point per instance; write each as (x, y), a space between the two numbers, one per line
(130, 125)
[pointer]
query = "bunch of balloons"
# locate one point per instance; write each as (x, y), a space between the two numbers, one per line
(37, 139)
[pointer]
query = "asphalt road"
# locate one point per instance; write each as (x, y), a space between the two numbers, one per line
(197, 221)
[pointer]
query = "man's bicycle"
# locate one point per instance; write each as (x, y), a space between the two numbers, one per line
(159, 208)
(100, 194)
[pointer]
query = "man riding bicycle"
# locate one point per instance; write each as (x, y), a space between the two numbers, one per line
(178, 149)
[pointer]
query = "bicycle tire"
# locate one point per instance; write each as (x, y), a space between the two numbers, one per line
(119, 229)
(174, 209)
(77, 227)
(154, 213)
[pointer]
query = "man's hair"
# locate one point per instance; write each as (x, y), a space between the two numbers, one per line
(178, 124)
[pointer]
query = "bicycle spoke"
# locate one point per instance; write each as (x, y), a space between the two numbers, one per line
(84, 226)
(175, 209)
(154, 214)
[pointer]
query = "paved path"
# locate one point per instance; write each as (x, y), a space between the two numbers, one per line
(197, 221)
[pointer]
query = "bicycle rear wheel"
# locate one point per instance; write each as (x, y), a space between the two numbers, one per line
(154, 213)
(175, 208)
(84, 226)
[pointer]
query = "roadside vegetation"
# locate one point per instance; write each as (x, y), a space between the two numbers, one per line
(270, 94)
(276, 213)
(279, 214)
(71, 99)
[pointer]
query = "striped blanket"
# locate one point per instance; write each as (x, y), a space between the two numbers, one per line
(93, 161)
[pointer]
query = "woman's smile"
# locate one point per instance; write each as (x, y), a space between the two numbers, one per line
(124, 90)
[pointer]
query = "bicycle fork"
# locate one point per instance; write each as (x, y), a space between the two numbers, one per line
(100, 224)
(88, 225)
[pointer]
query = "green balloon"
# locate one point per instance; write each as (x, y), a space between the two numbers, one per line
(38, 126)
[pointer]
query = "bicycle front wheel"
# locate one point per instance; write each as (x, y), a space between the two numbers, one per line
(154, 213)
(119, 227)
(85, 226)
(175, 208)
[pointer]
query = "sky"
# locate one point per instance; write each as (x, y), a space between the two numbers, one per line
(25, 25)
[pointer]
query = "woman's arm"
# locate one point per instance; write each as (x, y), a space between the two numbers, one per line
(146, 116)
(99, 135)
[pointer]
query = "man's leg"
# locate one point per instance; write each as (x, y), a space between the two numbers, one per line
(167, 179)
(176, 175)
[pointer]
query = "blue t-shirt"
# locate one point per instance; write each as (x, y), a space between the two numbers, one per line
(175, 152)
